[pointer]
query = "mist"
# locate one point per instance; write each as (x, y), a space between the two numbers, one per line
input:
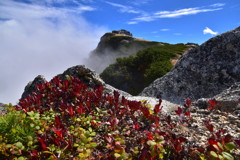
(39, 40)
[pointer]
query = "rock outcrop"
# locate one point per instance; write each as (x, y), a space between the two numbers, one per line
(87, 76)
(31, 86)
(123, 32)
(113, 45)
(227, 101)
(202, 72)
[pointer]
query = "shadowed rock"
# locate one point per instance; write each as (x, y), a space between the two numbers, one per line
(31, 86)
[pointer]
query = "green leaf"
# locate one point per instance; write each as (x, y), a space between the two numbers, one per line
(227, 156)
(67, 77)
(19, 145)
(220, 146)
(92, 145)
(230, 146)
(116, 155)
(93, 134)
(213, 154)
(21, 158)
(37, 127)
(216, 147)
(32, 125)
(13, 130)
(75, 145)
(151, 143)
(30, 143)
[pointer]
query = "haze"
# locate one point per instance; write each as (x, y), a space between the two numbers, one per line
(37, 40)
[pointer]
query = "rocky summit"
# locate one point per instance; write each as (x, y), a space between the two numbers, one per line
(202, 72)
(115, 44)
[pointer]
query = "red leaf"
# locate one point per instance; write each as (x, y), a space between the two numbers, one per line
(34, 154)
(188, 102)
(157, 109)
(81, 109)
(108, 138)
(156, 119)
(150, 136)
(116, 96)
(58, 122)
(144, 153)
(212, 141)
(227, 138)
(70, 111)
(181, 139)
(57, 141)
(178, 147)
(124, 100)
(238, 143)
(201, 149)
(136, 126)
(58, 132)
(56, 80)
(208, 125)
(43, 143)
(179, 111)
(187, 113)
(212, 103)
(145, 111)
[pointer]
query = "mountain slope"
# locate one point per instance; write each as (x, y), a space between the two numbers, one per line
(135, 72)
(202, 72)
(114, 45)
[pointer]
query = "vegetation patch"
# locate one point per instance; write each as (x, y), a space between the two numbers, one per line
(65, 119)
(143, 67)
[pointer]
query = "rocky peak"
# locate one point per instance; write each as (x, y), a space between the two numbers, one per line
(202, 72)
(123, 32)
(114, 45)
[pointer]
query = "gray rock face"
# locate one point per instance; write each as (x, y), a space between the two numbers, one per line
(201, 72)
(31, 86)
(90, 78)
(87, 76)
(227, 101)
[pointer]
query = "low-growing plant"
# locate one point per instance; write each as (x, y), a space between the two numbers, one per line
(65, 119)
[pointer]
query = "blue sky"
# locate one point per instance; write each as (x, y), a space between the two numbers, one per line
(47, 36)
(170, 21)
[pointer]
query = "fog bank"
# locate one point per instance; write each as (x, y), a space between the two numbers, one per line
(40, 40)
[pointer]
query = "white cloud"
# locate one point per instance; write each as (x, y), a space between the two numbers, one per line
(176, 13)
(218, 5)
(145, 19)
(183, 12)
(132, 22)
(164, 29)
(35, 39)
(139, 2)
(209, 31)
(124, 8)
